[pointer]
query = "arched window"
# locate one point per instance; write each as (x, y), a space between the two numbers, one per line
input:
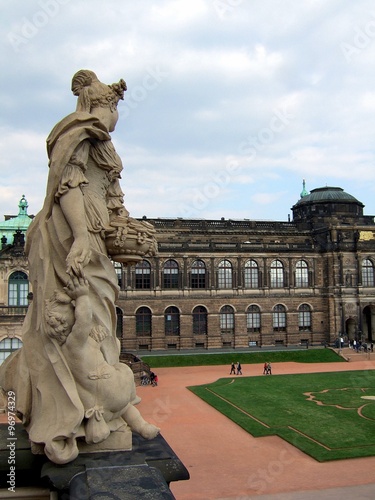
(253, 319)
(143, 275)
(225, 275)
(304, 318)
(7, 346)
(200, 320)
(198, 274)
(172, 321)
(251, 274)
(18, 289)
(302, 274)
(227, 319)
(170, 274)
(119, 323)
(279, 318)
(143, 322)
(367, 273)
(277, 274)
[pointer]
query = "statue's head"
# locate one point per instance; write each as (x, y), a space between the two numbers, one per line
(59, 316)
(92, 93)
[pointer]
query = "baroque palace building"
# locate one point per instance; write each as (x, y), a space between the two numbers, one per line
(236, 283)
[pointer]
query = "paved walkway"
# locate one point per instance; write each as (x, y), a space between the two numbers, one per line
(226, 463)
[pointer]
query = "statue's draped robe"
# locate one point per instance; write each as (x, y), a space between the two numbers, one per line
(81, 155)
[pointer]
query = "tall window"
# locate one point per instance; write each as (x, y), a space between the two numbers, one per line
(200, 320)
(198, 274)
(302, 274)
(143, 322)
(7, 346)
(251, 274)
(225, 275)
(227, 319)
(253, 319)
(118, 269)
(304, 318)
(170, 274)
(172, 321)
(18, 289)
(143, 275)
(277, 274)
(119, 323)
(279, 318)
(367, 273)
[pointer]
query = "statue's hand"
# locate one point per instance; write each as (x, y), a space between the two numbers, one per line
(79, 256)
(77, 287)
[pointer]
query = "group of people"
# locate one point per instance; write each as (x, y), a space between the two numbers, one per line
(357, 345)
(151, 379)
(236, 368)
(267, 368)
(154, 379)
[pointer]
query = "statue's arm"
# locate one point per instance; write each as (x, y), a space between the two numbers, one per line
(73, 208)
(69, 196)
(78, 290)
(81, 328)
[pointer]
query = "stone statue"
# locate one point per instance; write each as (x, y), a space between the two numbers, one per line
(72, 392)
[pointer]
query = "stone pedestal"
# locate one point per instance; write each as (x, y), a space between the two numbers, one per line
(144, 472)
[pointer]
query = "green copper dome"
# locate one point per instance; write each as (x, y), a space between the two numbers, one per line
(12, 223)
(328, 194)
(327, 202)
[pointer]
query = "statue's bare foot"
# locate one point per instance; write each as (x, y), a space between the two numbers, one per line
(148, 431)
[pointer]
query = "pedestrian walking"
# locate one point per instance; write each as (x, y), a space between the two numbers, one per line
(239, 368)
(265, 368)
(232, 369)
(269, 369)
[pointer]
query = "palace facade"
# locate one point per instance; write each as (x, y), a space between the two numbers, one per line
(239, 283)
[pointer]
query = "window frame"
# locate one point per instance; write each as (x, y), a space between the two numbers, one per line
(225, 275)
(279, 318)
(143, 322)
(277, 279)
(227, 320)
(251, 274)
(18, 289)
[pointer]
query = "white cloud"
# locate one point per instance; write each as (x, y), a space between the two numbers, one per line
(267, 73)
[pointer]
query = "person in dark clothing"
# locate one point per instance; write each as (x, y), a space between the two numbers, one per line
(154, 379)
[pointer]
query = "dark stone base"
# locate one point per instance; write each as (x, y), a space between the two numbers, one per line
(144, 472)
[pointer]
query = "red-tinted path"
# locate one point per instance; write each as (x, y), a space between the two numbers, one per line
(225, 462)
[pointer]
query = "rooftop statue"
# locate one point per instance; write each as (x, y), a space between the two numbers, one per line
(72, 392)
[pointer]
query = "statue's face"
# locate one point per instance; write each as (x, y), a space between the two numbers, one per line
(113, 120)
(107, 116)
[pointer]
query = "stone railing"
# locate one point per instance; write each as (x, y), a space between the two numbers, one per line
(13, 310)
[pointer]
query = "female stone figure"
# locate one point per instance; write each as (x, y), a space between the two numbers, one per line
(67, 240)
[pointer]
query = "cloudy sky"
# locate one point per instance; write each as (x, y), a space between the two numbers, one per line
(230, 103)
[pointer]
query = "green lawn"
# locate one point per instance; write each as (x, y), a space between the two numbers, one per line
(299, 356)
(329, 416)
